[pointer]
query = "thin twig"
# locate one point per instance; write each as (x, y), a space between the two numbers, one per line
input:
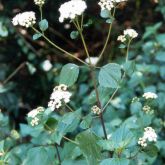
(58, 154)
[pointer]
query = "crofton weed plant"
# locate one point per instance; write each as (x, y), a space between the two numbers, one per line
(65, 134)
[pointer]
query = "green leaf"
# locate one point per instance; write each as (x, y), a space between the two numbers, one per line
(106, 145)
(160, 56)
(129, 67)
(74, 35)
(36, 36)
(110, 20)
(151, 150)
(40, 155)
(110, 75)
(69, 74)
(89, 147)
(31, 68)
(115, 161)
(122, 46)
(43, 24)
(3, 30)
(86, 122)
(105, 13)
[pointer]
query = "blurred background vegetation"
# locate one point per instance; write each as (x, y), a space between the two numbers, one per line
(31, 84)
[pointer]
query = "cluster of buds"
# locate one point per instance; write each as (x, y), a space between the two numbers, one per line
(60, 95)
(147, 109)
(39, 2)
(33, 115)
(149, 135)
(96, 110)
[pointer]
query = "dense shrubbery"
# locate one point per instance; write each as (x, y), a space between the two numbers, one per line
(74, 134)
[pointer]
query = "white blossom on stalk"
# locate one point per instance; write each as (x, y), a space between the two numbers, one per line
(96, 110)
(71, 9)
(25, 19)
(109, 4)
(130, 33)
(39, 2)
(148, 135)
(93, 60)
(59, 95)
(150, 95)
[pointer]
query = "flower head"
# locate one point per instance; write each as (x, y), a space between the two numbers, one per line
(59, 95)
(96, 110)
(148, 135)
(109, 4)
(25, 19)
(71, 9)
(150, 95)
(93, 60)
(39, 2)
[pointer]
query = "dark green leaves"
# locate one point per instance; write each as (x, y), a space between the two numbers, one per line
(110, 75)
(69, 74)
(89, 147)
(43, 24)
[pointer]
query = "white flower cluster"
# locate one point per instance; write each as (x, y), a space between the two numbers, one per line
(149, 135)
(150, 95)
(25, 19)
(93, 60)
(147, 109)
(109, 4)
(71, 9)
(59, 95)
(39, 2)
(96, 110)
(131, 33)
(33, 115)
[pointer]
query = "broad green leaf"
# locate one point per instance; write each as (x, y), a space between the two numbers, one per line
(115, 161)
(161, 39)
(110, 75)
(69, 74)
(40, 155)
(74, 35)
(105, 13)
(106, 145)
(160, 56)
(162, 72)
(110, 20)
(86, 122)
(122, 46)
(43, 24)
(151, 150)
(6, 88)
(89, 147)
(36, 36)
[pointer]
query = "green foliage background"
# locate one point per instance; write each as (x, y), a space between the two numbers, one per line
(32, 86)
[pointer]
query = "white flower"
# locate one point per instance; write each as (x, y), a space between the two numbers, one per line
(39, 2)
(71, 9)
(150, 95)
(34, 121)
(130, 33)
(147, 109)
(46, 65)
(1, 154)
(35, 112)
(121, 38)
(93, 60)
(96, 110)
(59, 95)
(25, 19)
(149, 135)
(109, 4)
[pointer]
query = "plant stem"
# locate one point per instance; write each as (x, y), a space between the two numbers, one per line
(69, 108)
(59, 48)
(14, 73)
(70, 140)
(108, 37)
(58, 154)
(41, 14)
(93, 78)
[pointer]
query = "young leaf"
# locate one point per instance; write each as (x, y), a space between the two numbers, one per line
(129, 67)
(105, 13)
(69, 74)
(74, 35)
(43, 24)
(31, 68)
(89, 147)
(110, 75)
(36, 36)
